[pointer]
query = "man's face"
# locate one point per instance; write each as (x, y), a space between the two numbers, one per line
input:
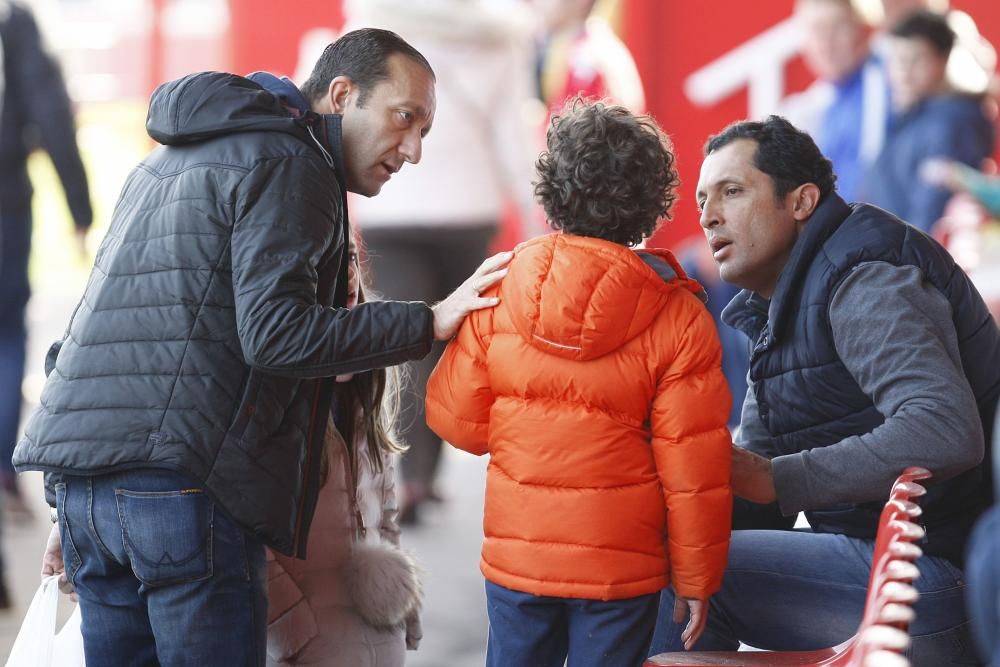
(750, 232)
(835, 41)
(389, 129)
(916, 70)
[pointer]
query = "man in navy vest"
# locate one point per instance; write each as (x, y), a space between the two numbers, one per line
(870, 351)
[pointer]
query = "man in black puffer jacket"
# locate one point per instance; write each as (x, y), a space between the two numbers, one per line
(871, 351)
(182, 421)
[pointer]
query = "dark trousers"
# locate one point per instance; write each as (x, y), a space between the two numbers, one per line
(422, 264)
(791, 590)
(983, 592)
(538, 631)
(15, 246)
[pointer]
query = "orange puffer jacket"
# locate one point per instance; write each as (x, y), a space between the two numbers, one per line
(596, 388)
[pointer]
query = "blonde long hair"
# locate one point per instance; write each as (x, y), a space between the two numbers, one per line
(368, 404)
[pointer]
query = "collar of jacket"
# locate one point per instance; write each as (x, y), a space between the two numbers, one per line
(744, 311)
(327, 131)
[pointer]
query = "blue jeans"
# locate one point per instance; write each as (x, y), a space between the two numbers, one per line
(537, 631)
(164, 577)
(983, 568)
(794, 590)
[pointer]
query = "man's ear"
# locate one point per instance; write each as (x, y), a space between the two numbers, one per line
(340, 93)
(805, 199)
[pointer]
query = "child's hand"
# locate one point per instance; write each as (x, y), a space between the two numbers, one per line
(696, 624)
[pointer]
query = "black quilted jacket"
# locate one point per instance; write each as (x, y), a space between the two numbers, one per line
(208, 334)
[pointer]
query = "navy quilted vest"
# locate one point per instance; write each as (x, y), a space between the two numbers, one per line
(808, 399)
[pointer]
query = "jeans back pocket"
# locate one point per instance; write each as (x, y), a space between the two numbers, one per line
(167, 534)
(71, 558)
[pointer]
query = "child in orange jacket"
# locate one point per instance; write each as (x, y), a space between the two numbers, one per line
(596, 388)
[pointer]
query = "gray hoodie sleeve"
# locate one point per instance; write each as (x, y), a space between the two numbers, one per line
(893, 331)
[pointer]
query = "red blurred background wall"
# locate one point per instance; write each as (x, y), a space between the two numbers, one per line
(670, 39)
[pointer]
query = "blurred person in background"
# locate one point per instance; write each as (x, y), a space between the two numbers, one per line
(184, 413)
(596, 390)
(970, 228)
(894, 11)
(972, 64)
(580, 54)
(847, 109)
(930, 121)
(436, 224)
(958, 177)
(36, 112)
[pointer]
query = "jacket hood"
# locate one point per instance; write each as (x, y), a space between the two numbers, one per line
(581, 298)
(211, 104)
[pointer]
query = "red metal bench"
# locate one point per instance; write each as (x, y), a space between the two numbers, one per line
(882, 636)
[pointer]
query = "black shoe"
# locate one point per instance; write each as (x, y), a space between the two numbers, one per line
(4, 595)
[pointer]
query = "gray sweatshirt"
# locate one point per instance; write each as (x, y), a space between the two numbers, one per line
(894, 333)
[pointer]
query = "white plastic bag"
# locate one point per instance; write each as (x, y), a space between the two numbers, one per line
(68, 649)
(37, 644)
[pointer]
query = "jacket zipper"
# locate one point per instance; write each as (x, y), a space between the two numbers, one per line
(360, 530)
(307, 477)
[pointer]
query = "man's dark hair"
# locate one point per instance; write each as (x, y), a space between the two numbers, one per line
(928, 26)
(362, 55)
(607, 173)
(786, 154)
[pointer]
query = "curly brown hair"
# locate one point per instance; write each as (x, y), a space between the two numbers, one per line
(607, 173)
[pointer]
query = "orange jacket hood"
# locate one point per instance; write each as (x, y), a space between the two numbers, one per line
(582, 298)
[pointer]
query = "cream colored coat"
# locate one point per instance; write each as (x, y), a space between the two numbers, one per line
(313, 615)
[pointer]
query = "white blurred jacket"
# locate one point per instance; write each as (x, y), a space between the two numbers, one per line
(481, 150)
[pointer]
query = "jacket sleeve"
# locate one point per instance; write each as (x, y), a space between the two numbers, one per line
(288, 216)
(754, 436)
(36, 84)
(459, 395)
(691, 448)
(912, 371)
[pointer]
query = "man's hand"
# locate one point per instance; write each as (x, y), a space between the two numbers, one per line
(448, 314)
(52, 561)
(696, 624)
(751, 477)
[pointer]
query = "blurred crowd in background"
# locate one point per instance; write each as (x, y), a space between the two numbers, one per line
(900, 94)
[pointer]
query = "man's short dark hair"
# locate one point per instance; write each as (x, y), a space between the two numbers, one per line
(607, 173)
(785, 153)
(362, 55)
(928, 26)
